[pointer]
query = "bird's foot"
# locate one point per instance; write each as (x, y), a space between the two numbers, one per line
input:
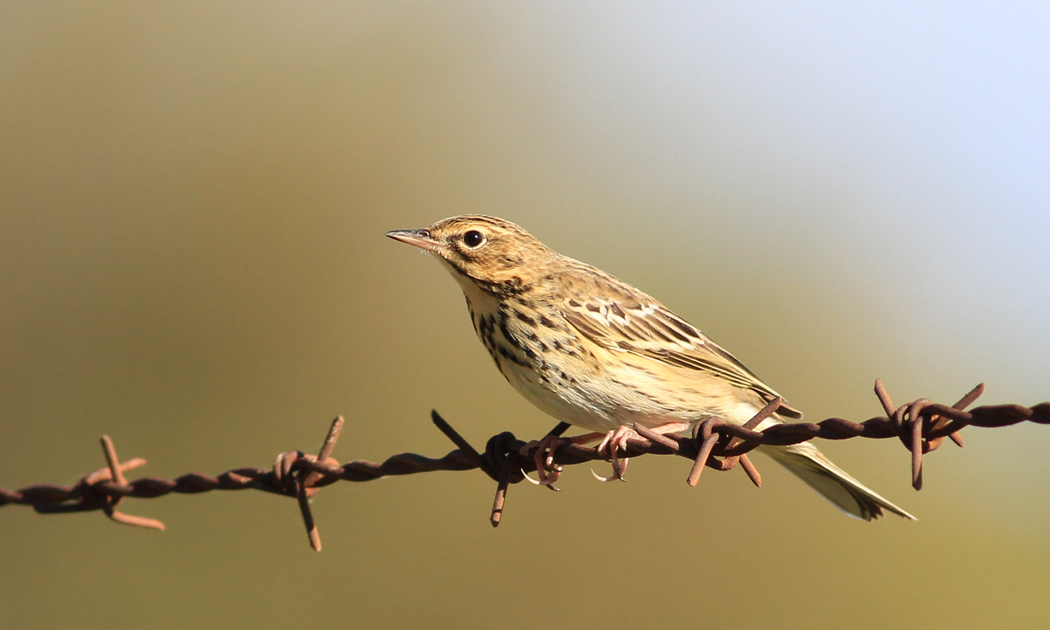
(616, 440)
(546, 469)
(543, 456)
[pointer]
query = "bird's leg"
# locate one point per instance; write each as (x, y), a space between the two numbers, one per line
(614, 441)
(617, 440)
(544, 454)
(671, 427)
(544, 458)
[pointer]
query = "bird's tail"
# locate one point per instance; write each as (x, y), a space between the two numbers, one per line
(807, 463)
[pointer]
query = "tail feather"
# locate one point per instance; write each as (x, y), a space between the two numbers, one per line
(807, 463)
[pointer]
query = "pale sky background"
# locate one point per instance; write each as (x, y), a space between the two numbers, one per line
(192, 203)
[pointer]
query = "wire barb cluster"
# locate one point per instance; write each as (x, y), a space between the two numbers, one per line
(920, 425)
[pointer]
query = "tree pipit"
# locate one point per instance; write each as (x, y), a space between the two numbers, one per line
(593, 351)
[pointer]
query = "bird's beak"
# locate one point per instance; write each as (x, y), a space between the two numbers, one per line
(419, 238)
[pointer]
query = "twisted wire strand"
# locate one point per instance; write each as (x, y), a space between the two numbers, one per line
(920, 425)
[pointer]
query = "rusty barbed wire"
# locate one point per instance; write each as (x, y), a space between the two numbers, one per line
(920, 425)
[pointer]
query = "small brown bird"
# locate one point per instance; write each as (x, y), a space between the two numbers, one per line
(597, 353)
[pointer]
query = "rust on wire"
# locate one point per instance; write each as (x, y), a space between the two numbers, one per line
(921, 426)
(305, 481)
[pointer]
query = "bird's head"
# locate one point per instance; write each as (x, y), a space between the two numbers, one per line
(493, 252)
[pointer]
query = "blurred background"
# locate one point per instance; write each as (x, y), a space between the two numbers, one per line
(193, 198)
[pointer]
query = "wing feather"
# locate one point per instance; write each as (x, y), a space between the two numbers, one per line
(628, 321)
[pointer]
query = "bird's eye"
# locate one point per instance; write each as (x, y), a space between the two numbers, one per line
(473, 238)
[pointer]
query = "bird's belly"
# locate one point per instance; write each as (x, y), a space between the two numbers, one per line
(564, 400)
(599, 401)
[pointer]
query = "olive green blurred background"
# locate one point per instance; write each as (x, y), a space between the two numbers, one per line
(193, 198)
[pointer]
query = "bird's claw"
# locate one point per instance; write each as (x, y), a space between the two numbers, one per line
(546, 469)
(618, 470)
(614, 441)
(548, 481)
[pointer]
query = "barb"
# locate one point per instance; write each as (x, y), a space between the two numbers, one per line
(920, 425)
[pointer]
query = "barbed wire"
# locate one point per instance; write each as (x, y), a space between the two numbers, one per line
(921, 427)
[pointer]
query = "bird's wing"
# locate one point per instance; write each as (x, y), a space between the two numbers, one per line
(624, 319)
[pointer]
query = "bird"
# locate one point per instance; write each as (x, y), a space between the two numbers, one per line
(595, 352)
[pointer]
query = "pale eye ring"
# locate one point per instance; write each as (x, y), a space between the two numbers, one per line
(473, 238)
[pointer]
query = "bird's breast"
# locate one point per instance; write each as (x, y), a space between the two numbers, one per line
(540, 356)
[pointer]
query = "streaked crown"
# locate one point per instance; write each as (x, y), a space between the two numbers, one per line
(492, 251)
